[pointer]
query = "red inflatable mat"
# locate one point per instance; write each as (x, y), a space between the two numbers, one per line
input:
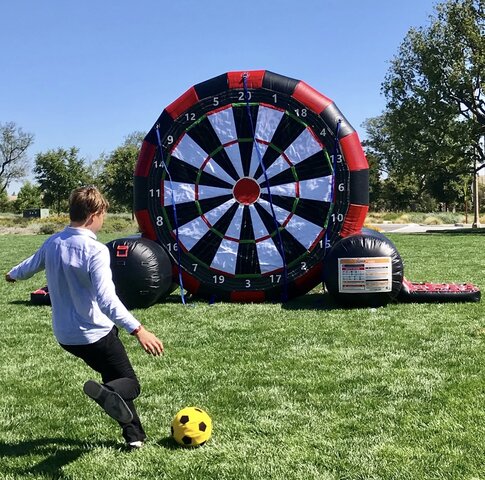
(414, 292)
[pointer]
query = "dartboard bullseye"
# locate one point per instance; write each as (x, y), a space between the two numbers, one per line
(246, 191)
(247, 179)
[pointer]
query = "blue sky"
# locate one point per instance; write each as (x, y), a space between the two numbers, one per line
(88, 73)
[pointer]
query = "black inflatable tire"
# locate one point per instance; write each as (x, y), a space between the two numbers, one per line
(142, 271)
(368, 244)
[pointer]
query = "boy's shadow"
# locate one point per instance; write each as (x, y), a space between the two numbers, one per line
(55, 453)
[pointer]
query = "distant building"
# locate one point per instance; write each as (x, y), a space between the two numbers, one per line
(36, 213)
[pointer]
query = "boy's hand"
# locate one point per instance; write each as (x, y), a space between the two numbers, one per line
(8, 278)
(149, 342)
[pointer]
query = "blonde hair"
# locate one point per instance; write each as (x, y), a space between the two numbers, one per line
(84, 201)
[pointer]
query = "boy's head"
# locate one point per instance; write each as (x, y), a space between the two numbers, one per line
(85, 201)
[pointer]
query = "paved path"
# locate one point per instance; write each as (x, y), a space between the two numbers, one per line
(417, 228)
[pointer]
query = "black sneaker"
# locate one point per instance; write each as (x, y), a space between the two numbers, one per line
(109, 401)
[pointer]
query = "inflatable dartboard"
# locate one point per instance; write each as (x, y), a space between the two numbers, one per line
(247, 179)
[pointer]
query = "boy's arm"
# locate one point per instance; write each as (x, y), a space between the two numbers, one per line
(149, 342)
(30, 266)
(113, 308)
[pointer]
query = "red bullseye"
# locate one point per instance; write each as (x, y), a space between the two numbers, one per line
(246, 191)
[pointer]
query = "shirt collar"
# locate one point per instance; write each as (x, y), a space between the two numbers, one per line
(82, 231)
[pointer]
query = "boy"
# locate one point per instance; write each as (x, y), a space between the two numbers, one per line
(86, 311)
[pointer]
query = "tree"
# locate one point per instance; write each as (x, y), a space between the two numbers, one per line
(401, 187)
(436, 81)
(376, 201)
(14, 143)
(405, 161)
(5, 204)
(435, 111)
(119, 168)
(58, 172)
(134, 138)
(29, 196)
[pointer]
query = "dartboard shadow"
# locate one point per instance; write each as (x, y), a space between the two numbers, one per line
(312, 301)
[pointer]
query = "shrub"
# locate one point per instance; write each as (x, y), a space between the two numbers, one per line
(428, 218)
(50, 228)
(433, 221)
(119, 223)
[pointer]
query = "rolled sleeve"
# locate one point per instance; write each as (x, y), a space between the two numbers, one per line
(29, 267)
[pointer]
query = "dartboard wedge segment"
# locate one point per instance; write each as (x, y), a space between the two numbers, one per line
(247, 179)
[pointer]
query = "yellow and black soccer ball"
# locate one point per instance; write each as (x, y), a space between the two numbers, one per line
(191, 427)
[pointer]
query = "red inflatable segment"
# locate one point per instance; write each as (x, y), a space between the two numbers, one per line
(183, 103)
(352, 150)
(254, 79)
(354, 220)
(311, 98)
(239, 296)
(145, 159)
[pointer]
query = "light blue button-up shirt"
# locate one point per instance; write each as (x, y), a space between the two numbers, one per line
(82, 292)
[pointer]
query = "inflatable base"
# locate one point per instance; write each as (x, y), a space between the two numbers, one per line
(413, 292)
(40, 297)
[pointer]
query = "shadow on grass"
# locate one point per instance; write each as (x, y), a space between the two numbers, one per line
(27, 303)
(169, 443)
(324, 301)
(312, 301)
(55, 453)
(457, 231)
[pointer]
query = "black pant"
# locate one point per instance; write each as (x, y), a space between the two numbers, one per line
(108, 357)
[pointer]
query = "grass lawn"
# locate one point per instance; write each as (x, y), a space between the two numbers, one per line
(299, 391)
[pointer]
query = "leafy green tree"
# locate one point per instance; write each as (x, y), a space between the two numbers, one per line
(95, 170)
(58, 172)
(29, 196)
(400, 188)
(134, 138)
(435, 112)
(376, 202)
(5, 204)
(119, 168)
(14, 143)
(435, 90)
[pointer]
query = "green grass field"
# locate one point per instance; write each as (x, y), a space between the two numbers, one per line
(300, 391)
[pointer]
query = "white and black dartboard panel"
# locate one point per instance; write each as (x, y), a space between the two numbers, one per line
(258, 185)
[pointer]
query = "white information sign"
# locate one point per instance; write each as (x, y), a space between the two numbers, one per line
(365, 275)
